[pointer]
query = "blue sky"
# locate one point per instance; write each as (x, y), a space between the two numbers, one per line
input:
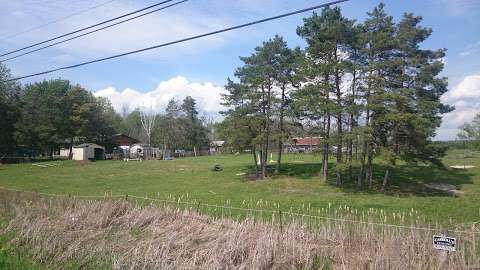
(200, 68)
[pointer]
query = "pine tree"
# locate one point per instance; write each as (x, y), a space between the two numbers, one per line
(329, 38)
(378, 36)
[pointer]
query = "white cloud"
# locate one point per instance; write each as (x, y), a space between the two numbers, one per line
(466, 99)
(467, 91)
(206, 94)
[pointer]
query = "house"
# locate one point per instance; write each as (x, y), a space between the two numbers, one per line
(303, 144)
(88, 151)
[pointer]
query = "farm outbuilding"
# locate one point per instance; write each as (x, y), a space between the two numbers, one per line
(303, 145)
(88, 151)
(144, 151)
(216, 147)
(121, 146)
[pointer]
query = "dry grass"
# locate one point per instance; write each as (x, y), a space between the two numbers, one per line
(118, 235)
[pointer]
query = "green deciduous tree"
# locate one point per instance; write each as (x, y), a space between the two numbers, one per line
(470, 131)
(9, 111)
(55, 112)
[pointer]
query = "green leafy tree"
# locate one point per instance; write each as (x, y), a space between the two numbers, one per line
(9, 111)
(55, 113)
(471, 132)
(44, 123)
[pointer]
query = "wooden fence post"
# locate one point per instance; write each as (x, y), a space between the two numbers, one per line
(280, 219)
(474, 239)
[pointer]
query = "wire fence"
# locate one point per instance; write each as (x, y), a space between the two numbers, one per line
(271, 215)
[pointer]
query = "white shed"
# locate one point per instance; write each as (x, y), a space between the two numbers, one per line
(88, 151)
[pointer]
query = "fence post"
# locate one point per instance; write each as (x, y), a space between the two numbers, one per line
(126, 197)
(474, 239)
(198, 207)
(280, 219)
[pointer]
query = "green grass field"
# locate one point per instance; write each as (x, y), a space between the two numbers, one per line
(297, 186)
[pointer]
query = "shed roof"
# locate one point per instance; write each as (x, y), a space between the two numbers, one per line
(123, 140)
(217, 143)
(83, 145)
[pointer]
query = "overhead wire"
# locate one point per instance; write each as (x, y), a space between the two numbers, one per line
(86, 28)
(182, 40)
(10, 36)
(93, 31)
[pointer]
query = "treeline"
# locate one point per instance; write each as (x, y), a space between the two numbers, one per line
(38, 118)
(180, 127)
(367, 88)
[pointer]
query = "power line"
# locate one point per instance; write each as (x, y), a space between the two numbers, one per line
(54, 21)
(85, 28)
(182, 40)
(96, 30)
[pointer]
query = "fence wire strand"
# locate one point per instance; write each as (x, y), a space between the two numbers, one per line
(106, 196)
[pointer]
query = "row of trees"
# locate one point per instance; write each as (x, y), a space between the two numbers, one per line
(180, 127)
(368, 89)
(41, 117)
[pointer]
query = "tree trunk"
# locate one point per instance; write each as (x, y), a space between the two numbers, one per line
(262, 163)
(369, 175)
(70, 150)
(339, 126)
(362, 167)
(385, 180)
(327, 121)
(351, 124)
(280, 137)
(279, 157)
(326, 150)
(366, 150)
(255, 160)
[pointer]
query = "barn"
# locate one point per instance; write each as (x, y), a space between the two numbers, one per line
(88, 151)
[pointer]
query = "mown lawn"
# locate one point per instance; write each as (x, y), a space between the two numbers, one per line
(297, 185)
